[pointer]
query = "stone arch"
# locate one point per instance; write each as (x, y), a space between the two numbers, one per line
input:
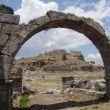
(13, 36)
(87, 26)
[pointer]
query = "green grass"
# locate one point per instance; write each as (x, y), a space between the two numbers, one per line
(24, 100)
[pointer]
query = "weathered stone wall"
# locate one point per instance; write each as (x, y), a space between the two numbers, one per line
(57, 68)
(16, 77)
(8, 42)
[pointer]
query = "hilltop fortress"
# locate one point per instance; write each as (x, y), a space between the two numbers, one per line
(59, 60)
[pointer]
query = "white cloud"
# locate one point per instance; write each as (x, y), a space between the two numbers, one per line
(66, 38)
(94, 57)
(31, 9)
(99, 11)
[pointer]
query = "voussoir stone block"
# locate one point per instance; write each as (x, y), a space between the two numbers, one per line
(3, 38)
(7, 59)
(73, 17)
(53, 15)
(94, 24)
(25, 30)
(9, 27)
(9, 18)
(6, 33)
(12, 45)
(40, 21)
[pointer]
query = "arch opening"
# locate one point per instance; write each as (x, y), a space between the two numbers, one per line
(53, 73)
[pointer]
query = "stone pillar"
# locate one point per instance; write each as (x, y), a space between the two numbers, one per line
(5, 96)
(8, 44)
(107, 78)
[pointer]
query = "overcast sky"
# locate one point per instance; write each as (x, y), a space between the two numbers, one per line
(61, 38)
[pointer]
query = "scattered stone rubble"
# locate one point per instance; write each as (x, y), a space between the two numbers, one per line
(92, 86)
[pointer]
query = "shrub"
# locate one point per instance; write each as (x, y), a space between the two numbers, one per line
(24, 100)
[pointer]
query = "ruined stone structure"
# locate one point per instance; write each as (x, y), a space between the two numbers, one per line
(58, 60)
(13, 36)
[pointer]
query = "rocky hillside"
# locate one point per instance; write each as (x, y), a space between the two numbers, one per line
(58, 60)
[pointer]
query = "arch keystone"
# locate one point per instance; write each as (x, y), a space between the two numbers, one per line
(53, 15)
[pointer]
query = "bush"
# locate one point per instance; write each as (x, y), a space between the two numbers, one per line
(24, 100)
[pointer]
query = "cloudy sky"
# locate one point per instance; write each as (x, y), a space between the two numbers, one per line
(61, 38)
